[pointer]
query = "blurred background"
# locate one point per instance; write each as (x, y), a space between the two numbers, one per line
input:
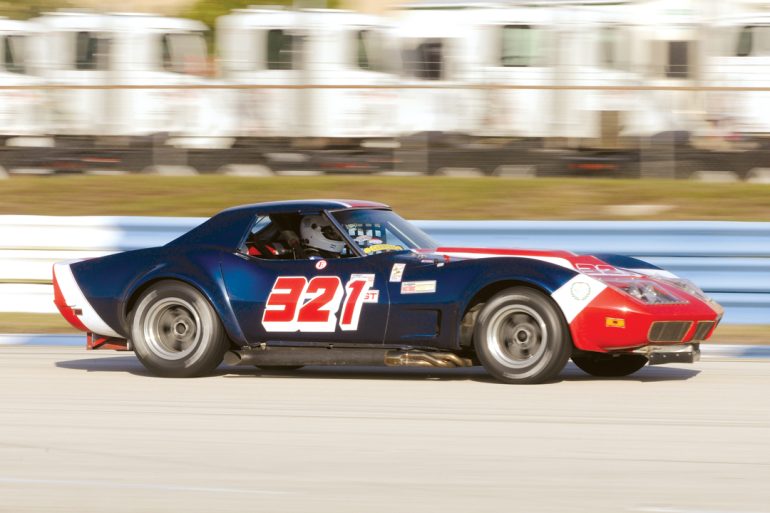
(645, 88)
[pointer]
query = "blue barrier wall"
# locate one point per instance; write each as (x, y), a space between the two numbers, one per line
(730, 261)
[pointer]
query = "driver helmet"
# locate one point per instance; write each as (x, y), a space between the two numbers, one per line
(317, 232)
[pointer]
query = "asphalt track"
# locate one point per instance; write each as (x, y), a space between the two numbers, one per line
(88, 432)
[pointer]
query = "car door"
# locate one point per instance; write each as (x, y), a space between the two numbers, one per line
(423, 301)
(303, 300)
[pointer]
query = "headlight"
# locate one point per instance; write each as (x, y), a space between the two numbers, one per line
(689, 287)
(647, 292)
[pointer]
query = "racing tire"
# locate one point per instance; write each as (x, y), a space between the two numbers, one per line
(286, 368)
(521, 337)
(604, 365)
(176, 333)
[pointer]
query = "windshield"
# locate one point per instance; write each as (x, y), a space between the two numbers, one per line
(375, 231)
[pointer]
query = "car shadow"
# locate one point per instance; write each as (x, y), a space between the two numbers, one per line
(130, 365)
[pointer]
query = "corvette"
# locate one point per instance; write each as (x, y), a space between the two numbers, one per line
(329, 282)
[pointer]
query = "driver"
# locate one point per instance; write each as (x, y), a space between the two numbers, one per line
(320, 238)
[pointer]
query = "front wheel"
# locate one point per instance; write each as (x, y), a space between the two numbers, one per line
(176, 332)
(521, 337)
(608, 365)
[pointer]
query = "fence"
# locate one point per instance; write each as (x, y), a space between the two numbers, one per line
(729, 260)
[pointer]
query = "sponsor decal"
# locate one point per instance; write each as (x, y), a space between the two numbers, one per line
(376, 248)
(397, 272)
(580, 290)
(567, 297)
(371, 296)
(296, 304)
(612, 322)
(418, 287)
(602, 270)
(369, 278)
(367, 240)
(320, 265)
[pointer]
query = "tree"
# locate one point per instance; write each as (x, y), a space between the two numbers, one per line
(25, 9)
(208, 11)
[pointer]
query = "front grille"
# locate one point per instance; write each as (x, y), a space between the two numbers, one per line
(702, 330)
(669, 331)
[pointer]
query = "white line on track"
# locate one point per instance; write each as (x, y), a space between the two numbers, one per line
(134, 486)
(672, 509)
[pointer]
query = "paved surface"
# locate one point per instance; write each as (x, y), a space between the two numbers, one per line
(91, 432)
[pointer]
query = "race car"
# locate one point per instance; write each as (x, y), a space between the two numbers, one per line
(331, 282)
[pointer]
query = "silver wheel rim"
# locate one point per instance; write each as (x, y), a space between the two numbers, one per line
(517, 336)
(172, 328)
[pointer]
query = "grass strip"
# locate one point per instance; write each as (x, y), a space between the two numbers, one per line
(412, 197)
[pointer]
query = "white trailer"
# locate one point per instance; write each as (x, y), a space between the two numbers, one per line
(742, 60)
(668, 49)
(296, 58)
(110, 51)
(22, 111)
(512, 70)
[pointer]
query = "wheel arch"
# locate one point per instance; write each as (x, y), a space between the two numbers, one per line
(140, 288)
(485, 293)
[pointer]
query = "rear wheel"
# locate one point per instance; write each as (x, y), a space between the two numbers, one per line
(176, 332)
(609, 365)
(521, 337)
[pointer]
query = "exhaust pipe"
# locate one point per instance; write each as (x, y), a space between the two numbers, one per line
(364, 357)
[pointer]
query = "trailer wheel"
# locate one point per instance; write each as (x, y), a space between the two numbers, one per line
(176, 332)
(609, 366)
(521, 337)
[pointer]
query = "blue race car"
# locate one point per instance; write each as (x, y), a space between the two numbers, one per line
(323, 282)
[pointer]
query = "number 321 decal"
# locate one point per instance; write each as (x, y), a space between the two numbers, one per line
(296, 304)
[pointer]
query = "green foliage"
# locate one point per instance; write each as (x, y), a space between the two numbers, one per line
(24, 9)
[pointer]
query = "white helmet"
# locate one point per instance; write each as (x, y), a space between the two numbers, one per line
(317, 232)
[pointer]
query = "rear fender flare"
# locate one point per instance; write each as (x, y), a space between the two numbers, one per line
(504, 272)
(213, 290)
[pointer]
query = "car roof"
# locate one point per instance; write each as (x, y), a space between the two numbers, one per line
(226, 228)
(309, 204)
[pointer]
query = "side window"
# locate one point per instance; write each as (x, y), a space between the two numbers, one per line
(282, 49)
(745, 42)
(678, 59)
(608, 48)
(362, 52)
(184, 53)
(754, 41)
(90, 51)
(519, 46)
(259, 236)
(14, 55)
(275, 237)
(426, 60)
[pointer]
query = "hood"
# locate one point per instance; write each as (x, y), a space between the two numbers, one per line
(586, 264)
